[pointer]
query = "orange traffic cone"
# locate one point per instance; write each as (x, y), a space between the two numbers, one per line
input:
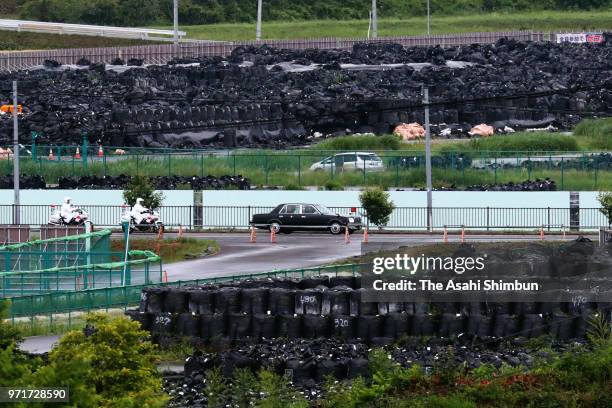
(180, 233)
(347, 237)
(51, 156)
(100, 151)
(272, 236)
(365, 235)
(253, 235)
(445, 235)
(165, 276)
(542, 234)
(462, 234)
(77, 155)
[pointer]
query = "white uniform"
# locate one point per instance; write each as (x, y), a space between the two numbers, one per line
(137, 211)
(67, 212)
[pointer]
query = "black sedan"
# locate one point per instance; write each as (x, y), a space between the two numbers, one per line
(291, 217)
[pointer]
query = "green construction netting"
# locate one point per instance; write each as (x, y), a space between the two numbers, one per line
(73, 263)
(73, 250)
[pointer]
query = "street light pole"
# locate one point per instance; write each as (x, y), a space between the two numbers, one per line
(428, 160)
(374, 20)
(176, 38)
(428, 19)
(258, 29)
(16, 218)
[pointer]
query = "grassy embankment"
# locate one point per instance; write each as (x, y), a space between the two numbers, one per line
(537, 20)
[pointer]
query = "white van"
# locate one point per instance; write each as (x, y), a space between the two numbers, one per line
(350, 161)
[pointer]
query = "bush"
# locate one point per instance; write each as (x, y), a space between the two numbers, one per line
(140, 187)
(605, 200)
(525, 142)
(111, 363)
(595, 133)
(378, 206)
(362, 142)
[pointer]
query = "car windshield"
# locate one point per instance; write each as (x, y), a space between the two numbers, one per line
(324, 210)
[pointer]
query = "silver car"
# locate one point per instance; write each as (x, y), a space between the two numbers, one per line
(350, 161)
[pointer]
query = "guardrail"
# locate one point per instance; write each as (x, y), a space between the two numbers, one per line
(402, 218)
(65, 304)
(161, 54)
(90, 30)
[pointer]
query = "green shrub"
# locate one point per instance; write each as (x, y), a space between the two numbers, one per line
(110, 364)
(525, 142)
(333, 185)
(140, 187)
(359, 143)
(595, 134)
(378, 206)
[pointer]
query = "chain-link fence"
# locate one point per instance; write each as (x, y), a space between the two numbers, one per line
(330, 169)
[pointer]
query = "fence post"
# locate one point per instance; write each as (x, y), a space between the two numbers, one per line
(488, 218)
(299, 170)
(169, 164)
(548, 218)
(562, 166)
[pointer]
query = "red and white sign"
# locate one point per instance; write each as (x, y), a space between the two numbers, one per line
(580, 38)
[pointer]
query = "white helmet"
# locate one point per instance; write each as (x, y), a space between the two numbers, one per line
(67, 200)
(139, 201)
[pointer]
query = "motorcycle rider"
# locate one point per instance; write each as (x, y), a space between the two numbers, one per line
(138, 210)
(67, 210)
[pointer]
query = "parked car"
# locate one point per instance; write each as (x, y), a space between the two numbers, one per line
(287, 218)
(350, 161)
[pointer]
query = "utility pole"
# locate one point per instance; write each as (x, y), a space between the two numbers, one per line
(374, 20)
(16, 218)
(428, 159)
(258, 29)
(176, 36)
(428, 20)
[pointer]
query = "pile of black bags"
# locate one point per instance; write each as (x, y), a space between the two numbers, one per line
(260, 96)
(159, 182)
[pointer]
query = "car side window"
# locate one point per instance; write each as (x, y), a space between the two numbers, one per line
(349, 158)
(291, 209)
(308, 209)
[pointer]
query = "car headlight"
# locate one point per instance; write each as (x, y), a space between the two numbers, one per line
(351, 219)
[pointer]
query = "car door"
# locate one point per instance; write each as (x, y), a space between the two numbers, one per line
(290, 214)
(311, 217)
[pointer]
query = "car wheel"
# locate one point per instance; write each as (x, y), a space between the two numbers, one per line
(335, 228)
(275, 226)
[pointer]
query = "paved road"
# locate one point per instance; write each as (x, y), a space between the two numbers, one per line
(300, 250)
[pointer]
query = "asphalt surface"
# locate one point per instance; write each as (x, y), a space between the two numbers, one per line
(301, 250)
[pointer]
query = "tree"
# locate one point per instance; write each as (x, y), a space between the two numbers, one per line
(109, 364)
(605, 199)
(140, 187)
(378, 206)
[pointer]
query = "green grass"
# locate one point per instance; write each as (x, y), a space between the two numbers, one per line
(538, 21)
(172, 250)
(595, 133)
(38, 41)
(525, 142)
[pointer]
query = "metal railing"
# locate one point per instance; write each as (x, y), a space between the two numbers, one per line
(161, 54)
(402, 218)
(66, 303)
